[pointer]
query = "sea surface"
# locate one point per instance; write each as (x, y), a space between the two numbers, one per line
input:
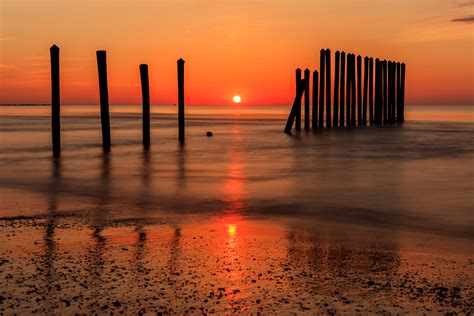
(419, 175)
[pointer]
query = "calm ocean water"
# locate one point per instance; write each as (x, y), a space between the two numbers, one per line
(419, 176)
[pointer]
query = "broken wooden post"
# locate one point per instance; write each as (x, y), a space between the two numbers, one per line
(359, 90)
(328, 88)
(348, 90)
(296, 104)
(298, 110)
(342, 96)
(322, 67)
(353, 90)
(336, 91)
(402, 95)
(146, 105)
(104, 98)
(371, 91)
(315, 99)
(181, 99)
(307, 74)
(366, 77)
(385, 91)
(55, 100)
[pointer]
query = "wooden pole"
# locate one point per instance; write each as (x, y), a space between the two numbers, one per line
(328, 88)
(322, 67)
(378, 93)
(342, 96)
(359, 90)
(55, 100)
(181, 99)
(397, 89)
(146, 105)
(366, 77)
(315, 99)
(298, 110)
(385, 91)
(307, 74)
(371, 91)
(104, 98)
(296, 104)
(402, 96)
(336, 91)
(348, 90)
(392, 70)
(353, 90)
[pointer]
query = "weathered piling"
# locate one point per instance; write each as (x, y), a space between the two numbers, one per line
(298, 110)
(146, 105)
(391, 73)
(307, 75)
(402, 94)
(335, 120)
(378, 92)
(398, 89)
(364, 109)
(385, 91)
(104, 98)
(348, 90)
(296, 103)
(353, 90)
(314, 111)
(181, 99)
(328, 88)
(55, 100)
(322, 72)
(371, 91)
(359, 90)
(342, 95)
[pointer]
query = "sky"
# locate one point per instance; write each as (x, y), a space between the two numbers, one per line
(249, 48)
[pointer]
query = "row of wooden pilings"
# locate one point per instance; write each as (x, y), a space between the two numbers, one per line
(104, 101)
(351, 94)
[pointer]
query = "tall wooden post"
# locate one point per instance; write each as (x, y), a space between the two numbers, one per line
(314, 111)
(342, 95)
(366, 77)
(385, 91)
(55, 100)
(336, 91)
(348, 90)
(402, 96)
(298, 110)
(181, 99)
(359, 90)
(296, 103)
(104, 98)
(307, 74)
(328, 88)
(391, 91)
(353, 90)
(371, 91)
(322, 74)
(398, 89)
(378, 92)
(146, 105)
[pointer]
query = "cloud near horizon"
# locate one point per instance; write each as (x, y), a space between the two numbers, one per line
(467, 19)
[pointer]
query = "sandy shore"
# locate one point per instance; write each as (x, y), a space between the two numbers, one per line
(227, 264)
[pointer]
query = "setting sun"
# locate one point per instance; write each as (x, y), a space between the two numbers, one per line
(236, 99)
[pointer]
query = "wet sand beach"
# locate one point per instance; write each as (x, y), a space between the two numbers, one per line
(247, 221)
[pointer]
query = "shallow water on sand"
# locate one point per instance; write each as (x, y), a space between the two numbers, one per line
(337, 213)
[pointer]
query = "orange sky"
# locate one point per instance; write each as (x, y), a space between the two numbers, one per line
(245, 47)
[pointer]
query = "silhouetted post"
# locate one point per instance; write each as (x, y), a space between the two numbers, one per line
(378, 92)
(322, 67)
(181, 99)
(307, 74)
(359, 90)
(366, 77)
(315, 99)
(353, 90)
(328, 88)
(398, 89)
(342, 96)
(55, 100)
(298, 110)
(391, 90)
(371, 91)
(402, 96)
(336, 91)
(296, 103)
(385, 91)
(348, 90)
(146, 105)
(104, 98)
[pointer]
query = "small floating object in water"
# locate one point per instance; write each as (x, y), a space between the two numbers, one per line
(209, 134)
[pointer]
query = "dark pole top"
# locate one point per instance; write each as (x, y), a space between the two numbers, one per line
(54, 47)
(181, 61)
(306, 70)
